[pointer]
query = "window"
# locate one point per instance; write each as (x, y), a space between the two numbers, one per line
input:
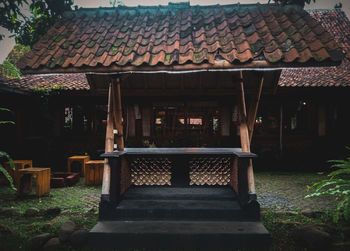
(77, 120)
(184, 119)
(68, 118)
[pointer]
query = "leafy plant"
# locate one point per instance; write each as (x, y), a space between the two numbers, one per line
(337, 185)
(49, 91)
(28, 30)
(16, 53)
(6, 155)
(9, 71)
(115, 3)
(292, 2)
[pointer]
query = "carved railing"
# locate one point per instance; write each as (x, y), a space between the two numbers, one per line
(180, 167)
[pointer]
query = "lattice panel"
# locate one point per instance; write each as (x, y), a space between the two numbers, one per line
(150, 171)
(210, 171)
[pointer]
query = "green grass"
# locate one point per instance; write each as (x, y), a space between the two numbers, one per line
(76, 199)
(281, 225)
(78, 203)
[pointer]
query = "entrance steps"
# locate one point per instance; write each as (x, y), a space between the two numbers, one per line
(167, 218)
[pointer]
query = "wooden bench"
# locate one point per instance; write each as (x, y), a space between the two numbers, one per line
(19, 164)
(82, 159)
(94, 172)
(24, 180)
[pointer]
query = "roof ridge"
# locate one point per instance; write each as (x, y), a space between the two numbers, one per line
(179, 5)
(323, 10)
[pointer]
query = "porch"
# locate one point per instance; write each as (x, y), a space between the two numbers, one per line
(181, 218)
(192, 197)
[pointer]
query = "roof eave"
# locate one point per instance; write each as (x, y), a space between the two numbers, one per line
(217, 66)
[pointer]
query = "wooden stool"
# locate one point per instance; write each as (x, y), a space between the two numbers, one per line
(94, 172)
(81, 159)
(42, 176)
(19, 164)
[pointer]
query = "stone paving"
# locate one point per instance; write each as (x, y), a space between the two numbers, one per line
(286, 191)
(278, 191)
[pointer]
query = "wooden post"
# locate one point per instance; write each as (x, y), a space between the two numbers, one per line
(242, 111)
(146, 120)
(130, 121)
(244, 133)
(225, 121)
(109, 142)
(118, 115)
(281, 128)
(322, 120)
(253, 109)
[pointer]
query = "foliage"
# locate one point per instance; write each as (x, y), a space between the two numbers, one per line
(53, 90)
(16, 53)
(116, 3)
(338, 185)
(292, 2)
(6, 155)
(28, 30)
(78, 204)
(8, 70)
(338, 6)
(10, 12)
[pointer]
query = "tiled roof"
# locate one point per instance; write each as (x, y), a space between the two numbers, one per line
(180, 36)
(33, 82)
(338, 24)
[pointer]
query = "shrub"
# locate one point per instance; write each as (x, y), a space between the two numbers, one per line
(6, 156)
(338, 185)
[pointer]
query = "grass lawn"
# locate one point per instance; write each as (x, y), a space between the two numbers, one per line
(80, 204)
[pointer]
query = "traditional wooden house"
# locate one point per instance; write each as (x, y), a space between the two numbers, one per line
(309, 111)
(180, 71)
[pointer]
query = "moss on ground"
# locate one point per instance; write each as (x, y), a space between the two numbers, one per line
(76, 199)
(281, 226)
(78, 203)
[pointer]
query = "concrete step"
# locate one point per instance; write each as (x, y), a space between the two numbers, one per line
(184, 235)
(179, 210)
(183, 193)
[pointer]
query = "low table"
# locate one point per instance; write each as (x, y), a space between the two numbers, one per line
(82, 159)
(94, 172)
(63, 179)
(19, 164)
(42, 176)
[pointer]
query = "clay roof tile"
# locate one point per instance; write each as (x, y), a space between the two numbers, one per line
(164, 35)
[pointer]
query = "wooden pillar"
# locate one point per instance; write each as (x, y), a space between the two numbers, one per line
(281, 128)
(146, 120)
(109, 142)
(321, 120)
(225, 119)
(131, 121)
(253, 109)
(18, 124)
(244, 132)
(242, 112)
(118, 114)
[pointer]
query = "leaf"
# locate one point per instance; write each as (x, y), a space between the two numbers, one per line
(5, 109)
(6, 122)
(8, 177)
(347, 208)
(339, 172)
